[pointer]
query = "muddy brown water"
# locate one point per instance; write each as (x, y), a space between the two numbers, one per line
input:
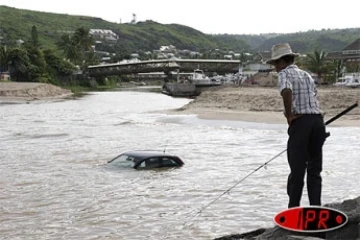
(54, 182)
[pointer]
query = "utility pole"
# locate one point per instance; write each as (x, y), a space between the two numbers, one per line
(133, 21)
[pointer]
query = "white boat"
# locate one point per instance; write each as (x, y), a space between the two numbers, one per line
(341, 81)
(201, 80)
(349, 80)
(354, 80)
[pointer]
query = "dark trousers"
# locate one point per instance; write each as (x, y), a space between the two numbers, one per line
(304, 152)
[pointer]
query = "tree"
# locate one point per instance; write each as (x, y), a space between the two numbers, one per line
(92, 59)
(36, 56)
(315, 62)
(27, 63)
(4, 59)
(37, 67)
(70, 48)
(338, 68)
(18, 64)
(34, 36)
(83, 38)
(243, 59)
(77, 47)
(56, 65)
(352, 67)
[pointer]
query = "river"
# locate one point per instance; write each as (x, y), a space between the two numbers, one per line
(54, 182)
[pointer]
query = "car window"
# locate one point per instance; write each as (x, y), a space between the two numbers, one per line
(169, 162)
(123, 161)
(153, 162)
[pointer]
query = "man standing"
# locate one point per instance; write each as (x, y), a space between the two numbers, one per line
(306, 126)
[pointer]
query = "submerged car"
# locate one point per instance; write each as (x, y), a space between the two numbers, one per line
(146, 160)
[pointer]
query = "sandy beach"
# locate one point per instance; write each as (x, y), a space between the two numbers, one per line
(28, 91)
(264, 104)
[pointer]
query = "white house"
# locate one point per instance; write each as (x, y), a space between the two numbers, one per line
(134, 55)
(105, 34)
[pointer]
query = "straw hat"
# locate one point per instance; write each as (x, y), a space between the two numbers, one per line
(280, 50)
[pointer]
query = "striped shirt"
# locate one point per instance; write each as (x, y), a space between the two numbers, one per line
(303, 90)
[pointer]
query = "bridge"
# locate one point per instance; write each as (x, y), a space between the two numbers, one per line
(165, 65)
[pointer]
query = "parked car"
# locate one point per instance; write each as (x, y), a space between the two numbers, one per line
(146, 160)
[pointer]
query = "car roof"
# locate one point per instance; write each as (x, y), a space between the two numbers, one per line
(139, 154)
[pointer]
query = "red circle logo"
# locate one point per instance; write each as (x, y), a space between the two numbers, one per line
(339, 219)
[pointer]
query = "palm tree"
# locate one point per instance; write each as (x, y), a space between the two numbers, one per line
(77, 47)
(315, 62)
(84, 39)
(338, 68)
(70, 47)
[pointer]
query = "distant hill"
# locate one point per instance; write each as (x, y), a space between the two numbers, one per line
(328, 40)
(16, 24)
(147, 36)
(303, 42)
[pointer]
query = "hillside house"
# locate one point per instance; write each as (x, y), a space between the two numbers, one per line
(134, 55)
(165, 52)
(168, 49)
(104, 34)
(237, 55)
(184, 52)
(351, 53)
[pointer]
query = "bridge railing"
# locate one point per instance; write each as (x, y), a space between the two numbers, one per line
(166, 65)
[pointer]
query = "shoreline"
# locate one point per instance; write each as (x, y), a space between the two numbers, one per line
(14, 99)
(264, 105)
(266, 117)
(236, 103)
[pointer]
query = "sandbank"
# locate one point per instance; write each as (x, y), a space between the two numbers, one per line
(264, 105)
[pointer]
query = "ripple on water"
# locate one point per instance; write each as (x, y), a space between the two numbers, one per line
(54, 181)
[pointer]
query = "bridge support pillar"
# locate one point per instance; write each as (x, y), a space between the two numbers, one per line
(167, 78)
(177, 75)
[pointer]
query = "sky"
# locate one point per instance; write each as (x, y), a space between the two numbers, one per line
(213, 16)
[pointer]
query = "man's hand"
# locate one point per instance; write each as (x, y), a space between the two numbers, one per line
(290, 117)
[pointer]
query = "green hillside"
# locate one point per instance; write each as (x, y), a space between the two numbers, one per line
(16, 24)
(327, 40)
(147, 36)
